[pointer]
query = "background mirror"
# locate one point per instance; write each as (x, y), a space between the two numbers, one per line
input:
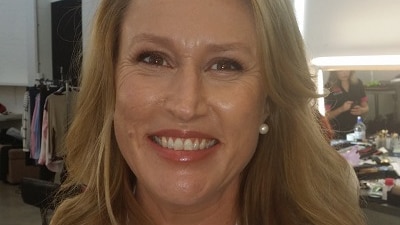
(383, 91)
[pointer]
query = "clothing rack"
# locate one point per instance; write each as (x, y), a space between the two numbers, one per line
(40, 192)
(58, 94)
(44, 82)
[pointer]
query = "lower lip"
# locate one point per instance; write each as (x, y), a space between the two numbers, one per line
(181, 155)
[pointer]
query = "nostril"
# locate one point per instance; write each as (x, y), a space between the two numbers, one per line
(183, 109)
(185, 106)
(185, 95)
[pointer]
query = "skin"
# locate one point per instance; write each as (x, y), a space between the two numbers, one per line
(187, 70)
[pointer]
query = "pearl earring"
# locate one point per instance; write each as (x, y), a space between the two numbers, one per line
(264, 128)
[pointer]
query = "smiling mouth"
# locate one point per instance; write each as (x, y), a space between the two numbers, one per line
(185, 144)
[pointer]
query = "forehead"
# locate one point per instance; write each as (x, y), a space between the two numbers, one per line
(195, 20)
(343, 73)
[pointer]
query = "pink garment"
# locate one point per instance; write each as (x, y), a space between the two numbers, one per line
(33, 126)
(45, 137)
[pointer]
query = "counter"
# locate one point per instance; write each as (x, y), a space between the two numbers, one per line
(10, 120)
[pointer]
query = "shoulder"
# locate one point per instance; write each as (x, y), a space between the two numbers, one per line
(358, 82)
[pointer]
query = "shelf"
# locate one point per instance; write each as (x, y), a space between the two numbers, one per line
(13, 84)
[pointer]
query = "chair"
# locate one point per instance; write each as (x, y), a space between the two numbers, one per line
(17, 168)
(41, 194)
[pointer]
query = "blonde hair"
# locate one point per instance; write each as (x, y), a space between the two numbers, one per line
(295, 177)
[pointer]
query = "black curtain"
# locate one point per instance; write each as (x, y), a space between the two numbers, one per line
(66, 29)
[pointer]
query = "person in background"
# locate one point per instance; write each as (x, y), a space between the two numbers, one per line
(200, 113)
(346, 101)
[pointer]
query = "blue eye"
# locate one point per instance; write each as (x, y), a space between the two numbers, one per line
(226, 65)
(152, 58)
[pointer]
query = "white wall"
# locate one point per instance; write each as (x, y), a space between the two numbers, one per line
(18, 55)
(88, 10)
(352, 27)
(44, 38)
(25, 41)
(25, 45)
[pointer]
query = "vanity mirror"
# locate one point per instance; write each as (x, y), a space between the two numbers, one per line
(382, 88)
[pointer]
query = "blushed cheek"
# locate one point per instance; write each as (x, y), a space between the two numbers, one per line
(121, 107)
(126, 98)
(125, 110)
(124, 126)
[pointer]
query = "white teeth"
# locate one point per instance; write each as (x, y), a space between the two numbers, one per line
(184, 144)
(196, 144)
(170, 143)
(210, 143)
(202, 144)
(178, 145)
(164, 142)
(188, 145)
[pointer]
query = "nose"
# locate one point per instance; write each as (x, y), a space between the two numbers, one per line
(186, 99)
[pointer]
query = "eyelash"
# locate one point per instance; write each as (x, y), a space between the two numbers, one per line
(220, 64)
(159, 59)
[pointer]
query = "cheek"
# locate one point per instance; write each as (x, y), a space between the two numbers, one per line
(132, 112)
(241, 131)
(131, 109)
(126, 105)
(124, 121)
(242, 116)
(245, 108)
(133, 97)
(243, 120)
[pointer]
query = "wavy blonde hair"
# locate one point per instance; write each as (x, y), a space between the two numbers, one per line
(295, 177)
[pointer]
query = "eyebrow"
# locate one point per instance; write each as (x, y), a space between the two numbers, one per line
(146, 37)
(224, 47)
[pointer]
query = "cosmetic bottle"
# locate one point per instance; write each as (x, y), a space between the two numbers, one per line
(388, 184)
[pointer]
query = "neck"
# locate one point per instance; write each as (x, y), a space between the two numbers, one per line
(345, 84)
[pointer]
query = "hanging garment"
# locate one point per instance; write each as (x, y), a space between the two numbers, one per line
(56, 118)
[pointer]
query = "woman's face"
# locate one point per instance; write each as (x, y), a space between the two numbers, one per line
(343, 75)
(189, 97)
